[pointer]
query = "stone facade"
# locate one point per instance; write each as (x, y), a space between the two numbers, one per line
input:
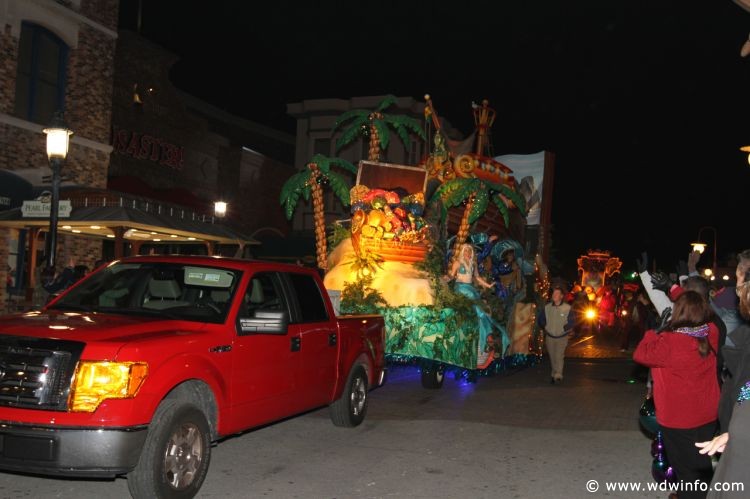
(8, 50)
(104, 12)
(88, 93)
(89, 73)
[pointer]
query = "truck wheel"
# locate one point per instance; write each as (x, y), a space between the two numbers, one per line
(350, 409)
(174, 460)
(432, 377)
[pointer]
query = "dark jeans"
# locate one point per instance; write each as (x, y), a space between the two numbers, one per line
(688, 465)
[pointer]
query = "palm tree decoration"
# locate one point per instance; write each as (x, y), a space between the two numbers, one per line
(310, 181)
(375, 125)
(476, 193)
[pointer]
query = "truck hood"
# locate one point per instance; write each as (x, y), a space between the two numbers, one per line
(92, 327)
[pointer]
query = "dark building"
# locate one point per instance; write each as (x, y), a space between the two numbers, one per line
(146, 162)
(172, 147)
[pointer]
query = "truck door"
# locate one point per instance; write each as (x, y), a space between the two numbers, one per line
(264, 363)
(319, 341)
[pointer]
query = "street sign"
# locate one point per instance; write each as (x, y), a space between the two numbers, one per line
(38, 209)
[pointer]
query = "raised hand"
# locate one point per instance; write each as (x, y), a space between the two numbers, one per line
(662, 282)
(682, 268)
(664, 320)
(692, 262)
(641, 264)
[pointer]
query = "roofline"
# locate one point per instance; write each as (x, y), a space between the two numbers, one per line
(194, 102)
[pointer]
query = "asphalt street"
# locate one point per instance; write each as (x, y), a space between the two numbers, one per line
(510, 435)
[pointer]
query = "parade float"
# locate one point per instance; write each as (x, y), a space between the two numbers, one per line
(598, 271)
(395, 254)
(597, 268)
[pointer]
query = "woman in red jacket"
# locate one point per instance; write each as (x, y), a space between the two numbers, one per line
(682, 359)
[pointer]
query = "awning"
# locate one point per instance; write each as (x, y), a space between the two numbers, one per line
(142, 220)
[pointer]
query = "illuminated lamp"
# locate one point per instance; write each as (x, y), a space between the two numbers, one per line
(220, 208)
(747, 150)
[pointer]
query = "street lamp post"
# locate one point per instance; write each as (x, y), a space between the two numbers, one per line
(700, 247)
(58, 141)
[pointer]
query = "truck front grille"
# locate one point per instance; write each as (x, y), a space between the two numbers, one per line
(36, 373)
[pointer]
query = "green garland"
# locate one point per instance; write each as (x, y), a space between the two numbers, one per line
(435, 333)
(359, 297)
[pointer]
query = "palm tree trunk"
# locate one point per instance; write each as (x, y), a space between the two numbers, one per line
(374, 151)
(318, 217)
(463, 231)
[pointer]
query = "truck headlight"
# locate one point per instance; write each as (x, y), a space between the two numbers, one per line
(96, 381)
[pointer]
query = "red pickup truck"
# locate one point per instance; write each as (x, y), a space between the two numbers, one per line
(140, 366)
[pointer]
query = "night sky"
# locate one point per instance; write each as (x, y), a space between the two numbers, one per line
(644, 103)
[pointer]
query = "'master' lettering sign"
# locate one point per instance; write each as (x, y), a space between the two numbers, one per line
(145, 146)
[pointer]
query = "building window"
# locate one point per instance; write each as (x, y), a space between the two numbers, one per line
(322, 146)
(40, 79)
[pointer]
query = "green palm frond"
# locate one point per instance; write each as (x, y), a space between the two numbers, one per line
(513, 195)
(296, 186)
(503, 208)
(403, 134)
(354, 113)
(339, 187)
(452, 191)
(481, 200)
(294, 183)
(326, 162)
(290, 203)
(407, 122)
(387, 102)
(351, 133)
(458, 196)
(323, 162)
(342, 163)
(383, 133)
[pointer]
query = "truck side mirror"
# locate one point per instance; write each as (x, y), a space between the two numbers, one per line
(263, 322)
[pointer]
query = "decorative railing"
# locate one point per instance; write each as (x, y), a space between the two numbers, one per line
(96, 199)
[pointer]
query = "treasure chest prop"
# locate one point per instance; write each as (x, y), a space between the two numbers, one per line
(388, 205)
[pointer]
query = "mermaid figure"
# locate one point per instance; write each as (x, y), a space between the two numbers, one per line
(464, 271)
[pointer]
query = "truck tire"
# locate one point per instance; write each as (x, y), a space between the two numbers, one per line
(174, 460)
(432, 377)
(351, 408)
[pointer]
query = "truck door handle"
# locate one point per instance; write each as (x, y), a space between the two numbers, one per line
(332, 340)
(295, 344)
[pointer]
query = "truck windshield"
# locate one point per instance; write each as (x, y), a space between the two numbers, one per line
(172, 290)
